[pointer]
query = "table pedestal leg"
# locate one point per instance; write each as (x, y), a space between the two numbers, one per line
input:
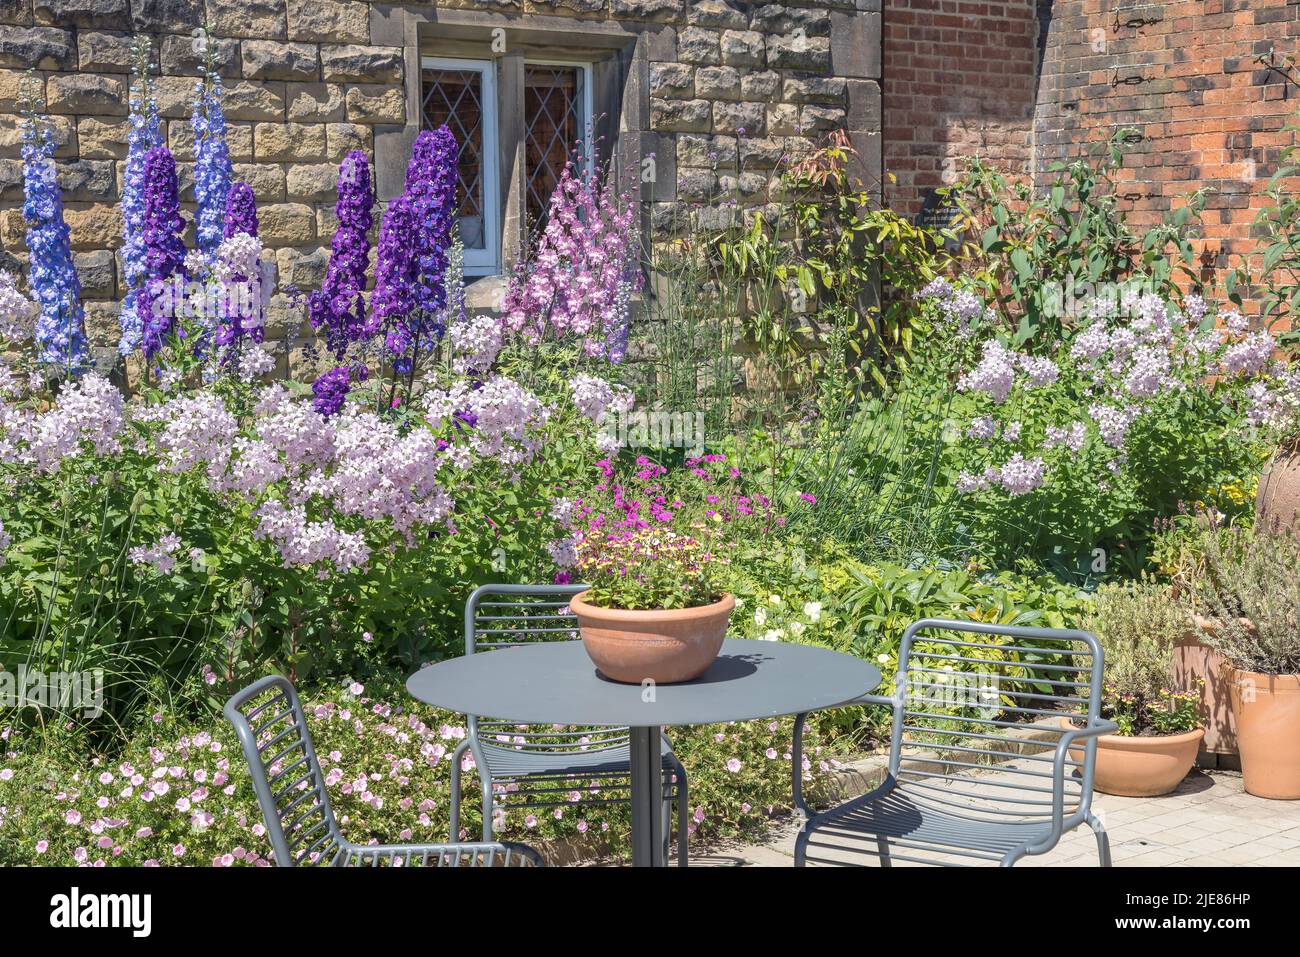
(647, 799)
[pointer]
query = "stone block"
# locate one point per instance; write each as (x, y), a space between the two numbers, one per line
(45, 48)
(672, 80)
(286, 224)
(361, 64)
(343, 138)
(255, 19)
(277, 60)
(331, 21)
(376, 103)
(311, 182)
(182, 55)
(314, 102)
(697, 45)
(102, 139)
(680, 116)
(85, 14)
(86, 93)
(742, 48)
(102, 52)
(266, 179)
(288, 142)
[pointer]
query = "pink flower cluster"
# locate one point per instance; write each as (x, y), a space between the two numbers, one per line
(161, 556)
(88, 415)
(588, 253)
(1017, 476)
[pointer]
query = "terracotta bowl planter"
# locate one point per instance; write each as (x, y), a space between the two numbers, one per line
(1138, 766)
(1267, 713)
(662, 646)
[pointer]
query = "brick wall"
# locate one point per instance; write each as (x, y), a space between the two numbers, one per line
(308, 80)
(958, 82)
(1183, 73)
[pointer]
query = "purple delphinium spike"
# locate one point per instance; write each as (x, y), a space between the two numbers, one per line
(339, 306)
(331, 389)
(241, 211)
(414, 243)
(60, 327)
(164, 251)
(392, 299)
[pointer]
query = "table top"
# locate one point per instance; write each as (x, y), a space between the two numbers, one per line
(555, 682)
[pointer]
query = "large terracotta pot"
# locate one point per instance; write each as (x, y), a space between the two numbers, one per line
(1278, 499)
(1138, 766)
(662, 646)
(1267, 712)
(1194, 659)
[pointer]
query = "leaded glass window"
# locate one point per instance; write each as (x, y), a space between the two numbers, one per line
(462, 94)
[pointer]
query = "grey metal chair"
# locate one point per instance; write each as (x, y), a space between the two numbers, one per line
(290, 788)
(980, 762)
(544, 766)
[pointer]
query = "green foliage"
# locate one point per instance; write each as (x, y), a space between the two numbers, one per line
(1276, 263)
(1138, 624)
(1025, 249)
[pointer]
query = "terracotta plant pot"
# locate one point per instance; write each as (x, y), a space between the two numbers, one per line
(1193, 660)
(1137, 766)
(1267, 713)
(662, 646)
(1278, 499)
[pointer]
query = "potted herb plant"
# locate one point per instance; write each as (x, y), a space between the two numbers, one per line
(1246, 595)
(654, 548)
(1138, 625)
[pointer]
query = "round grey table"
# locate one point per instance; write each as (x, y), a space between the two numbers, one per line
(556, 683)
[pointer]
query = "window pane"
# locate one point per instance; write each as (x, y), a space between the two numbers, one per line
(455, 97)
(553, 118)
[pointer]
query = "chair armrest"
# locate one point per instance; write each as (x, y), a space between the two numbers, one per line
(1069, 737)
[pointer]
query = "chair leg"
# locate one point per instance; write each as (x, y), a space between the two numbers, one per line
(488, 800)
(1103, 840)
(882, 849)
(683, 819)
(801, 845)
(666, 822)
(456, 758)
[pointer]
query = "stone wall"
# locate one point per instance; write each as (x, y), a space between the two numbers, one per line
(308, 80)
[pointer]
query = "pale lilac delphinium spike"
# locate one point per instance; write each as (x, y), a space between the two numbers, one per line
(144, 135)
(212, 169)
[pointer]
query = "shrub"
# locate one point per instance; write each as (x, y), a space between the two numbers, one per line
(1247, 588)
(1138, 624)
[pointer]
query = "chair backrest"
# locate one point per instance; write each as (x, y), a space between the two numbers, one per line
(287, 779)
(983, 710)
(503, 616)
(506, 616)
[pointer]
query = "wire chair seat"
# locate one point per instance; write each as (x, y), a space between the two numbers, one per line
(507, 762)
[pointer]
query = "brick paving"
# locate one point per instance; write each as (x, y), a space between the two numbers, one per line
(1209, 821)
